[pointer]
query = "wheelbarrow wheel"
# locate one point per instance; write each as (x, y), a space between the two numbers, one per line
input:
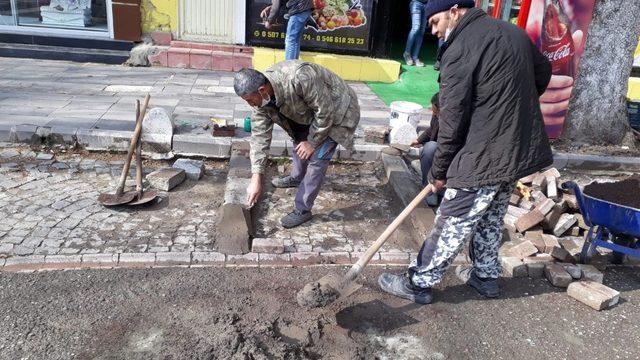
(589, 248)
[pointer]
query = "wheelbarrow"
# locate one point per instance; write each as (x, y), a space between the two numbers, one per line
(611, 226)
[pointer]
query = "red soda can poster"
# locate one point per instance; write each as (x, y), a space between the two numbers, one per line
(559, 29)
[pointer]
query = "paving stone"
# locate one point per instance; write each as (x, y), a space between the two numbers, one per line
(23, 263)
(557, 275)
(574, 270)
(524, 249)
(267, 245)
(535, 270)
(404, 134)
(562, 255)
(590, 273)
(335, 258)
(550, 242)
(513, 267)
(305, 259)
(45, 156)
(275, 260)
(529, 220)
(193, 168)
(22, 250)
(565, 223)
(208, 259)
(173, 258)
(545, 206)
(593, 294)
(166, 179)
(137, 259)
(375, 134)
(248, 260)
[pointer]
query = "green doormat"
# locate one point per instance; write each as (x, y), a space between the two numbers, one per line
(416, 84)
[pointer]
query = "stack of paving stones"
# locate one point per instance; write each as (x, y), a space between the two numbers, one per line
(547, 235)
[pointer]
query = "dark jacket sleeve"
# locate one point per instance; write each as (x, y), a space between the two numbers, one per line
(424, 136)
(275, 9)
(542, 69)
(455, 107)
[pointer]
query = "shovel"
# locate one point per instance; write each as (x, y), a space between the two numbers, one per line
(120, 197)
(142, 197)
(332, 287)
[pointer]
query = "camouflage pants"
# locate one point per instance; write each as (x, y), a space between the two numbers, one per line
(465, 215)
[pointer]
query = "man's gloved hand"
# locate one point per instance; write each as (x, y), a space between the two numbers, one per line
(437, 185)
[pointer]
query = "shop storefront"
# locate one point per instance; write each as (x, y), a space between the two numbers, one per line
(82, 18)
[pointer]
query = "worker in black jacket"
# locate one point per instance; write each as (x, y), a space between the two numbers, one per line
(491, 134)
(428, 140)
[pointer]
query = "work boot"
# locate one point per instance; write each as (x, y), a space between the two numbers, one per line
(485, 287)
(295, 218)
(418, 63)
(401, 286)
(285, 182)
(408, 59)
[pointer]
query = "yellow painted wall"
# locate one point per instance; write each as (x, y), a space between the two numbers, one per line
(160, 15)
(348, 67)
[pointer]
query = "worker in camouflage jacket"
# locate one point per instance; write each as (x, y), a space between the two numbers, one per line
(316, 108)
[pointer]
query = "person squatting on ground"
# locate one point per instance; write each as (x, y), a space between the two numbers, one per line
(416, 34)
(298, 13)
(428, 140)
(316, 108)
(491, 133)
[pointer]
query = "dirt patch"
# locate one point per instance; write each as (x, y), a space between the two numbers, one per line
(622, 192)
(316, 295)
(568, 147)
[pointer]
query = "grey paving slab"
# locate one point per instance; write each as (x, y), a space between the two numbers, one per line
(71, 122)
(119, 125)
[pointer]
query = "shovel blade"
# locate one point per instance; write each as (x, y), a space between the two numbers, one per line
(340, 284)
(147, 196)
(114, 200)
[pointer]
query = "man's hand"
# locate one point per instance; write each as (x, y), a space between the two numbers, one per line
(265, 13)
(305, 150)
(268, 25)
(437, 185)
(415, 144)
(254, 190)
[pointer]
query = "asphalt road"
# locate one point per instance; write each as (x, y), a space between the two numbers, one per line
(221, 313)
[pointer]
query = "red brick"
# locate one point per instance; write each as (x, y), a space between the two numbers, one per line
(243, 49)
(200, 59)
(267, 245)
(375, 260)
(529, 178)
(515, 199)
(178, 58)
(159, 59)
(551, 219)
(246, 260)
(181, 44)
(526, 222)
(162, 38)
(222, 61)
(275, 260)
(335, 258)
(241, 61)
(545, 206)
(305, 259)
(513, 267)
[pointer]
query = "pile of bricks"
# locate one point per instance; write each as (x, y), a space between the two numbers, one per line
(547, 238)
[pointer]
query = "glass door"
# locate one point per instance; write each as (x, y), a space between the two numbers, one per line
(88, 15)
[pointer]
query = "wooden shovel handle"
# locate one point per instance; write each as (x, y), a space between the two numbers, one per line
(132, 146)
(357, 268)
(139, 155)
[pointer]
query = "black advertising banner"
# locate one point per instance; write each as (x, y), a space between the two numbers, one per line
(342, 25)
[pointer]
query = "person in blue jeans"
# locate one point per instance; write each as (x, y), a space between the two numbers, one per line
(298, 13)
(428, 139)
(416, 35)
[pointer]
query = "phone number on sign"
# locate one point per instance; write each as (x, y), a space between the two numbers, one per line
(307, 37)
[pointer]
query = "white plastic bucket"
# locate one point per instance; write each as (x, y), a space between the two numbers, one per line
(403, 112)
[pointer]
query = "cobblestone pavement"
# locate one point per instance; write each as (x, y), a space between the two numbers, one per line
(351, 211)
(50, 214)
(50, 208)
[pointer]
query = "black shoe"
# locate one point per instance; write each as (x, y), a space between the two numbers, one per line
(285, 182)
(295, 218)
(485, 287)
(401, 286)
